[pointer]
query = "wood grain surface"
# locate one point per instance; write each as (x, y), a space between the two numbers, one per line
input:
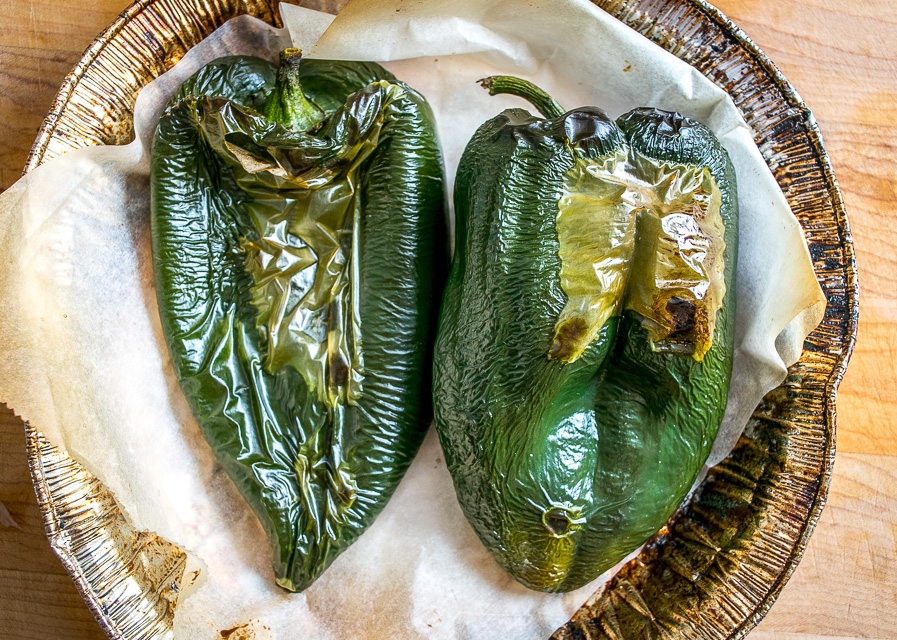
(842, 58)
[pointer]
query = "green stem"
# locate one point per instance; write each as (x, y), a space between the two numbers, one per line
(287, 105)
(544, 103)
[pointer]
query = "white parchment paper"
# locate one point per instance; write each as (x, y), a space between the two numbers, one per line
(84, 360)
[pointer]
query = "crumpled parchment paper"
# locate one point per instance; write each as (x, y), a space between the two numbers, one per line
(84, 360)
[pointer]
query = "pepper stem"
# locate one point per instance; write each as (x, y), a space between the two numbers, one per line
(287, 105)
(544, 103)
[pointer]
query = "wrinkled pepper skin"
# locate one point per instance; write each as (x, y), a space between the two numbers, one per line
(316, 461)
(563, 468)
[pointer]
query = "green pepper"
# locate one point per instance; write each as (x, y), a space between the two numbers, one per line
(585, 340)
(298, 241)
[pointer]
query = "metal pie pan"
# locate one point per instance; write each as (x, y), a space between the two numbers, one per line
(717, 566)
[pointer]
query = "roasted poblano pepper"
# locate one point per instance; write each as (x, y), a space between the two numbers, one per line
(298, 239)
(586, 335)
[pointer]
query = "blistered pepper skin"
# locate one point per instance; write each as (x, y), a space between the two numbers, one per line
(565, 467)
(315, 468)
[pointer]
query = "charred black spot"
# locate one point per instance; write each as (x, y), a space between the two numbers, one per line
(339, 370)
(590, 129)
(576, 633)
(587, 122)
(567, 336)
(660, 133)
(656, 121)
(557, 523)
(561, 521)
(682, 314)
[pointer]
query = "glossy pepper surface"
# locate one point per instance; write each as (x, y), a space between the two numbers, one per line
(298, 241)
(586, 335)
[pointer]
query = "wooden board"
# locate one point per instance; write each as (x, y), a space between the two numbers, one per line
(841, 57)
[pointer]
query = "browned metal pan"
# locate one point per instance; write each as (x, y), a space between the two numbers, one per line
(720, 562)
